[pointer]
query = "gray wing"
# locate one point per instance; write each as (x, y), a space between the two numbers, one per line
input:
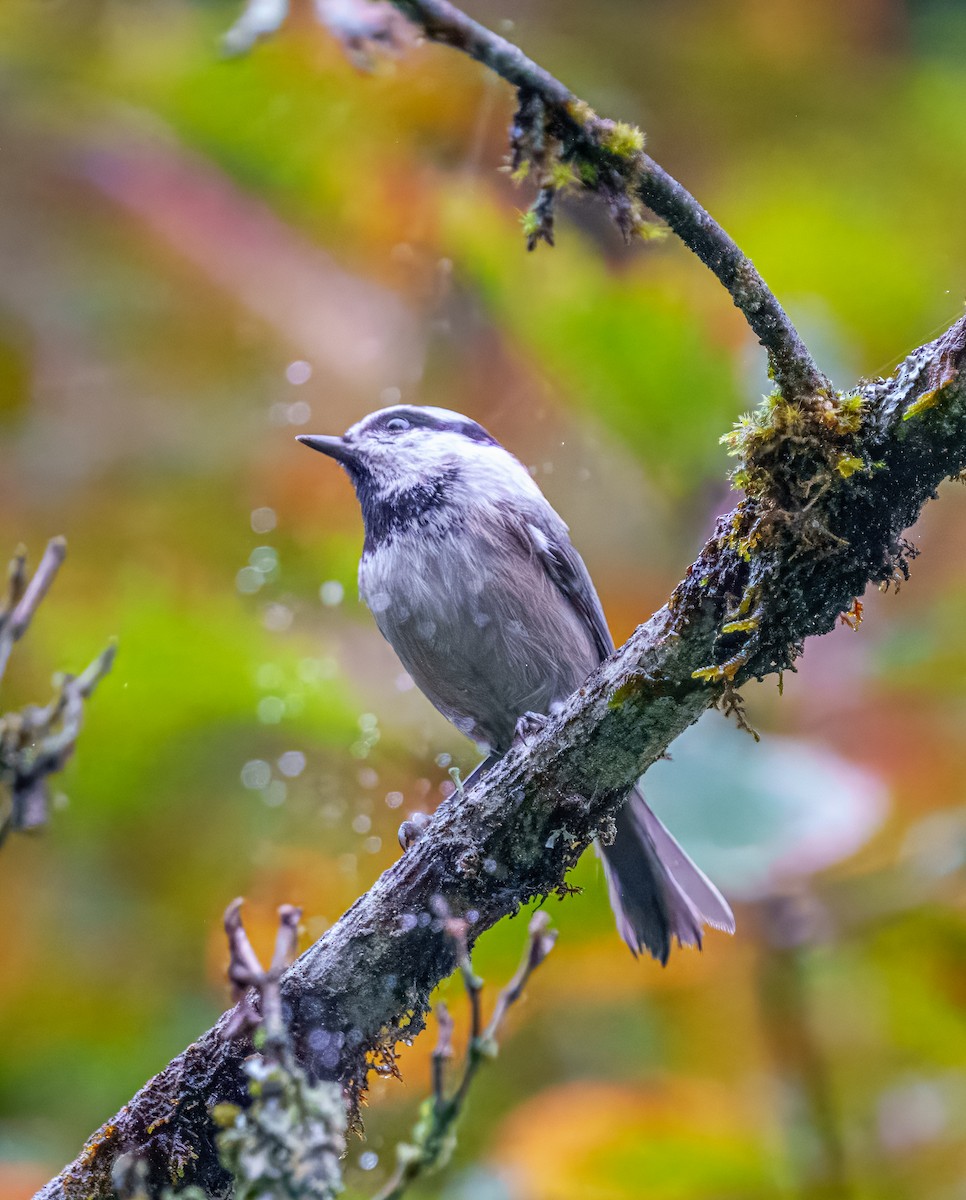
(548, 539)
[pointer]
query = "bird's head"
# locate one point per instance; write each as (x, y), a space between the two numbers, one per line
(398, 449)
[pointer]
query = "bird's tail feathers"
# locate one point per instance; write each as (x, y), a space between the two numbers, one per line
(656, 891)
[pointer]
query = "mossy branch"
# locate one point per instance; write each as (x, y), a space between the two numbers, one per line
(553, 126)
(559, 142)
(795, 554)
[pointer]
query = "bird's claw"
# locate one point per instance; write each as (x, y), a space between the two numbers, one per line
(412, 830)
(528, 726)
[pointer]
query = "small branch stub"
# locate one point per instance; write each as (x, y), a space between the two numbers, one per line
(37, 742)
(434, 1136)
(288, 1143)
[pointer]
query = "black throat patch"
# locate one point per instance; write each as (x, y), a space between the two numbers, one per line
(386, 515)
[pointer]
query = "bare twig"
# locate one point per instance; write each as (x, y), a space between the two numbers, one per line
(247, 974)
(287, 1142)
(23, 599)
(434, 1136)
(36, 742)
(442, 1052)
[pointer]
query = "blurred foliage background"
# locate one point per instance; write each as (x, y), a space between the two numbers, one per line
(199, 259)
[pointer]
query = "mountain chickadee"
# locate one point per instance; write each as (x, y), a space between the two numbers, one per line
(473, 581)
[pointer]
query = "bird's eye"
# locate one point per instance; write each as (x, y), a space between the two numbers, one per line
(397, 424)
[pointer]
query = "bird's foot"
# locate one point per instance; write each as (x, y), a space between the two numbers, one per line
(528, 726)
(412, 830)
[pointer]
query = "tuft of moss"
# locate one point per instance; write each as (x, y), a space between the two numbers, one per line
(623, 139)
(563, 175)
(651, 231)
(925, 402)
(745, 626)
(848, 464)
(530, 223)
(580, 111)
(589, 176)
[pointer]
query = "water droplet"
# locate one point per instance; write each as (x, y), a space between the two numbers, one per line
(277, 617)
(367, 777)
(298, 372)
(394, 799)
(372, 845)
(368, 1159)
(264, 559)
(292, 763)
(275, 793)
(270, 710)
(368, 721)
(314, 670)
(269, 676)
(299, 413)
(249, 580)
(361, 823)
(331, 593)
(443, 760)
(263, 520)
(256, 774)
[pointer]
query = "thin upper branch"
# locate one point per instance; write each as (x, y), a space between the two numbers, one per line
(792, 366)
(23, 598)
(783, 566)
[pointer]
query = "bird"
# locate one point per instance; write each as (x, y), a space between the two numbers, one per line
(472, 578)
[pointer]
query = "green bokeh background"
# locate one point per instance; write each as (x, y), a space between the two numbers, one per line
(175, 232)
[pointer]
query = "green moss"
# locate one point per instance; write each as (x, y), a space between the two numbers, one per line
(848, 464)
(623, 139)
(588, 174)
(631, 687)
(563, 175)
(744, 626)
(651, 231)
(581, 111)
(918, 407)
(530, 223)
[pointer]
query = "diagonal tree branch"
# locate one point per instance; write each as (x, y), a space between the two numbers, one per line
(610, 161)
(829, 489)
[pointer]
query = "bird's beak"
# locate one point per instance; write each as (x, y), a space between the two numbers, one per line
(334, 447)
